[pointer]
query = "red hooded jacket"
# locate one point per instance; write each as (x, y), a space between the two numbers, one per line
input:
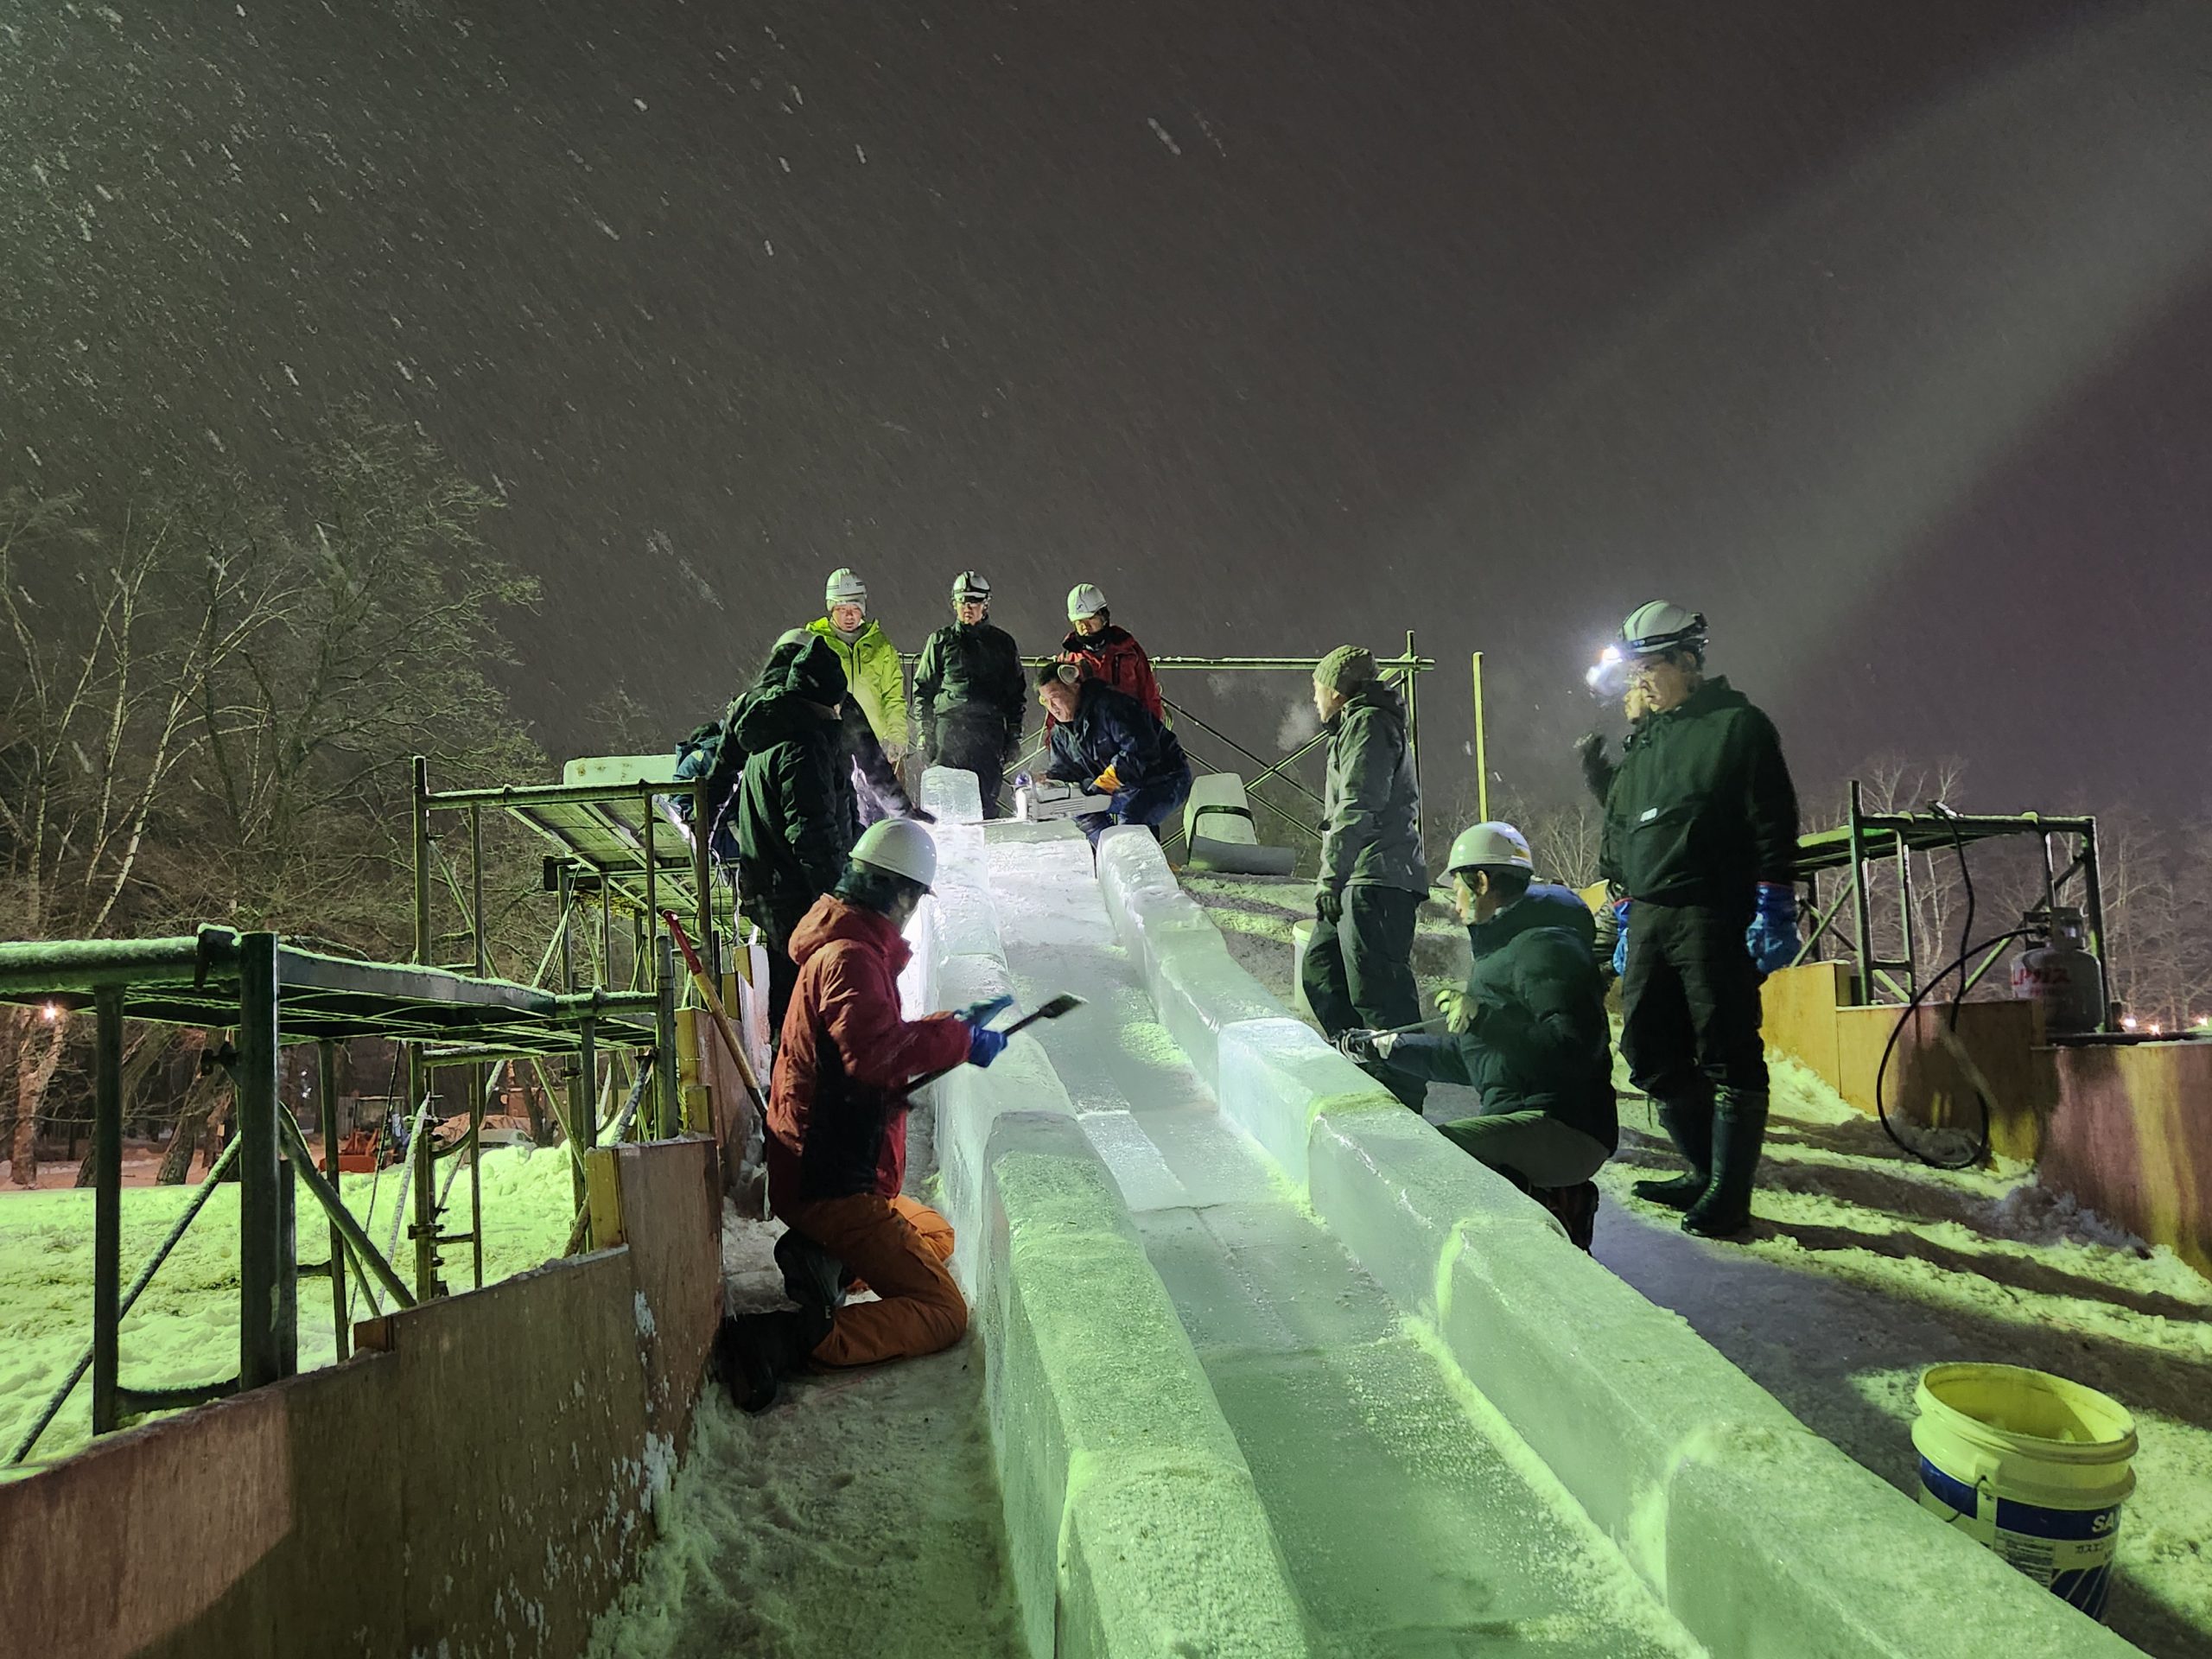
(847, 1057)
(1113, 656)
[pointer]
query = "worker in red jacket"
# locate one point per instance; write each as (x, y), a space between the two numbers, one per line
(846, 1058)
(1107, 654)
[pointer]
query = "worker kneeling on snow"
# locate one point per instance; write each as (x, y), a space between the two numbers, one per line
(846, 1062)
(1113, 744)
(1528, 1031)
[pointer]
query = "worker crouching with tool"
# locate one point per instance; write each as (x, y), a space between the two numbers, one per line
(1528, 1032)
(843, 1071)
(1114, 744)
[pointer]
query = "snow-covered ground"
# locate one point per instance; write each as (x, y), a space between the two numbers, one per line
(1863, 1268)
(184, 1328)
(859, 1514)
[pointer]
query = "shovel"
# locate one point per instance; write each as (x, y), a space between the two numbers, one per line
(1052, 1010)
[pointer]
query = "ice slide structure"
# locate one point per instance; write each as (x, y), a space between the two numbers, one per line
(1274, 1369)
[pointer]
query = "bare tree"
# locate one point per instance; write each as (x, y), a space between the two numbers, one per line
(100, 707)
(383, 647)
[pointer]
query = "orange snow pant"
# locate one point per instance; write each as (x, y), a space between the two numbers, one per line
(897, 1247)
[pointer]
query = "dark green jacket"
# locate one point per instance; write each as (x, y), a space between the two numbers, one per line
(1539, 1040)
(1371, 816)
(1701, 808)
(977, 669)
(795, 806)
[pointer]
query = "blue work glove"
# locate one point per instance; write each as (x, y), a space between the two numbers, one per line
(1620, 938)
(984, 1044)
(1022, 780)
(1772, 936)
(981, 1013)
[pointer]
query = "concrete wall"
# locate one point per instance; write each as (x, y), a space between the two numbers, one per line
(478, 1480)
(2132, 1139)
(1761, 1537)
(1807, 1014)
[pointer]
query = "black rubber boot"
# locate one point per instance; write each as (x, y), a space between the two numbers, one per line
(812, 1277)
(1690, 1127)
(754, 1352)
(1576, 1209)
(1738, 1131)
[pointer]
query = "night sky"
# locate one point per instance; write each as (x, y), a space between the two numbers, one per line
(1878, 329)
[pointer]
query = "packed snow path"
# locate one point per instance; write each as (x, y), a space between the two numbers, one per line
(1412, 1518)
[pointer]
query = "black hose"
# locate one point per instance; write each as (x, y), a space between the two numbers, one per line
(1967, 953)
(1881, 1103)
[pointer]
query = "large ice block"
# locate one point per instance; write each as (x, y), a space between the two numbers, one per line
(1148, 908)
(1868, 1574)
(1273, 1076)
(1131, 1522)
(1200, 989)
(1401, 1197)
(969, 1103)
(954, 797)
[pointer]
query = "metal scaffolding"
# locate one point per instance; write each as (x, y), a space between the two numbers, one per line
(268, 992)
(1867, 840)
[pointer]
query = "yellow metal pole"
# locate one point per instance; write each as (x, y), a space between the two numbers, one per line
(1482, 748)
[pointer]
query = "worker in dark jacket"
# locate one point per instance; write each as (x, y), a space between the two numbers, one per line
(1528, 1032)
(847, 1059)
(795, 805)
(1701, 836)
(1108, 743)
(1108, 651)
(1359, 970)
(968, 693)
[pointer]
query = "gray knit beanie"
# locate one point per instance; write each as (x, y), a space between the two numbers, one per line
(1345, 669)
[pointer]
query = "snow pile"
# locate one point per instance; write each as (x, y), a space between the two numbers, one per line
(859, 1516)
(2033, 1214)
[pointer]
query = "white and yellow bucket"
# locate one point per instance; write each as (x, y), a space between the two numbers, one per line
(2033, 1467)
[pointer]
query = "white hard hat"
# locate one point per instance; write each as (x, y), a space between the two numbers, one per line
(900, 846)
(1662, 627)
(1085, 599)
(1490, 847)
(845, 588)
(971, 584)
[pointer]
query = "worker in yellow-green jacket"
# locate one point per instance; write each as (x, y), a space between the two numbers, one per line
(875, 706)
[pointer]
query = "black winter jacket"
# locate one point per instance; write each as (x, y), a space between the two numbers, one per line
(1113, 730)
(1701, 808)
(969, 673)
(795, 819)
(1539, 1040)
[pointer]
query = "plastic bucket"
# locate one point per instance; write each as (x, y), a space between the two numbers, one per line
(2033, 1467)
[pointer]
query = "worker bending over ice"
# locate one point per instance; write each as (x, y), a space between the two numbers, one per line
(1528, 1032)
(847, 1059)
(1359, 970)
(1115, 747)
